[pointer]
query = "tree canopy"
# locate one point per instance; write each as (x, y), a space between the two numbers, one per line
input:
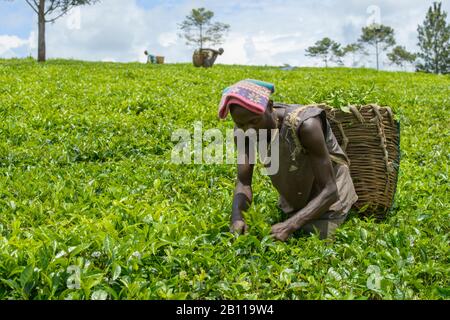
(197, 29)
(434, 41)
(379, 36)
(327, 50)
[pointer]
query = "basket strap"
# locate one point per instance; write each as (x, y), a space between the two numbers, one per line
(356, 113)
(345, 140)
(339, 160)
(292, 122)
(383, 144)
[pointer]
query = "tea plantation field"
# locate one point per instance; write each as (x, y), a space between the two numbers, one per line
(91, 206)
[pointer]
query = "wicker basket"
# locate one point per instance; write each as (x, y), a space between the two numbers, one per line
(371, 138)
(197, 58)
(159, 60)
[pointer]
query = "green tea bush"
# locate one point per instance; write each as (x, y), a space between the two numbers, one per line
(91, 206)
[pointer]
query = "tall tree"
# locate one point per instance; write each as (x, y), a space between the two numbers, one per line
(327, 50)
(379, 36)
(399, 56)
(197, 29)
(353, 49)
(434, 41)
(49, 11)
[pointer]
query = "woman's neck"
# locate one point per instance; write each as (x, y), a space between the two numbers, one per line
(280, 113)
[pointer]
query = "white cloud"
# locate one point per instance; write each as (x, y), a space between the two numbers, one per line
(235, 52)
(119, 30)
(262, 32)
(166, 39)
(8, 43)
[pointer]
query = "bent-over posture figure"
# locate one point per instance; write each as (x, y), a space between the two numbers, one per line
(210, 56)
(313, 181)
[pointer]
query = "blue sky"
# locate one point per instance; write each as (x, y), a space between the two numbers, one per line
(271, 32)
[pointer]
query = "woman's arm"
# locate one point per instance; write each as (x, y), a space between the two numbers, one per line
(243, 195)
(312, 138)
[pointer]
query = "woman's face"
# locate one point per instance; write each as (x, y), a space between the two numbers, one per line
(245, 119)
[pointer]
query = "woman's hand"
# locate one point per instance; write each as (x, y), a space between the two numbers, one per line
(238, 226)
(282, 231)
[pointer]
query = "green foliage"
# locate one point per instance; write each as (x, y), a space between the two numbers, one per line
(327, 50)
(399, 56)
(353, 49)
(197, 29)
(92, 208)
(434, 41)
(379, 36)
(54, 9)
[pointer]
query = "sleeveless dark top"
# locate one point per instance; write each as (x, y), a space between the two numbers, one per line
(295, 178)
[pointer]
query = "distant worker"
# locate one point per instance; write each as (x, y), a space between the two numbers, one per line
(210, 56)
(150, 58)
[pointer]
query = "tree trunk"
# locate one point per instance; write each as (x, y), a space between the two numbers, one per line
(41, 33)
(376, 48)
(201, 38)
(436, 60)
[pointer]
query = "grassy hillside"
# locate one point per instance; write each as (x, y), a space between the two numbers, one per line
(88, 195)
